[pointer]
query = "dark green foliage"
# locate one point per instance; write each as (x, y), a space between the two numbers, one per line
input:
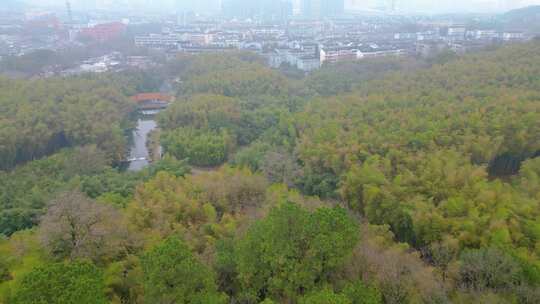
(212, 112)
(123, 281)
(31, 63)
(504, 165)
(110, 181)
(225, 267)
(233, 94)
(292, 251)
(528, 181)
(342, 77)
(25, 191)
(252, 156)
(117, 187)
(359, 293)
(356, 182)
(40, 117)
(201, 148)
(383, 209)
(231, 76)
(173, 275)
(325, 296)
(322, 184)
(5, 274)
(62, 284)
(170, 165)
(12, 220)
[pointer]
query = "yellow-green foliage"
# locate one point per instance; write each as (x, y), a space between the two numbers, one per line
(23, 253)
(203, 207)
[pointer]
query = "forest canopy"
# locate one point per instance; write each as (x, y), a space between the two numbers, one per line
(388, 181)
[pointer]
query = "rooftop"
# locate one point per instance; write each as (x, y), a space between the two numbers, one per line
(151, 96)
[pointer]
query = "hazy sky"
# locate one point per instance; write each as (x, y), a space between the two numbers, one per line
(431, 6)
(448, 5)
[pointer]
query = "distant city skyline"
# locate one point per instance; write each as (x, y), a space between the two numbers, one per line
(265, 9)
(424, 6)
(321, 8)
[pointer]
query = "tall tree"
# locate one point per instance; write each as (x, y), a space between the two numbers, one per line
(78, 227)
(61, 283)
(292, 251)
(173, 275)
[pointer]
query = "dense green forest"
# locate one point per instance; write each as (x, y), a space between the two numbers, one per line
(387, 181)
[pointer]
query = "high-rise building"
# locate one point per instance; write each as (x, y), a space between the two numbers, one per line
(198, 6)
(69, 12)
(261, 9)
(322, 8)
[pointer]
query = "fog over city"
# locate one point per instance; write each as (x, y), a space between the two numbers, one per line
(202, 6)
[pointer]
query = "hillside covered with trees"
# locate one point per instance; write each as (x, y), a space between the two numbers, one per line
(388, 181)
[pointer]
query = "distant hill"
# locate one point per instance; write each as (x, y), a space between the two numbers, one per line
(524, 19)
(525, 12)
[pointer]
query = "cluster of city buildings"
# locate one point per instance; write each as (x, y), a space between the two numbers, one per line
(309, 43)
(14, 39)
(282, 10)
(321, 32)
(21, 33)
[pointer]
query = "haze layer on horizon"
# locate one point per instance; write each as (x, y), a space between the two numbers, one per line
(411, 6)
